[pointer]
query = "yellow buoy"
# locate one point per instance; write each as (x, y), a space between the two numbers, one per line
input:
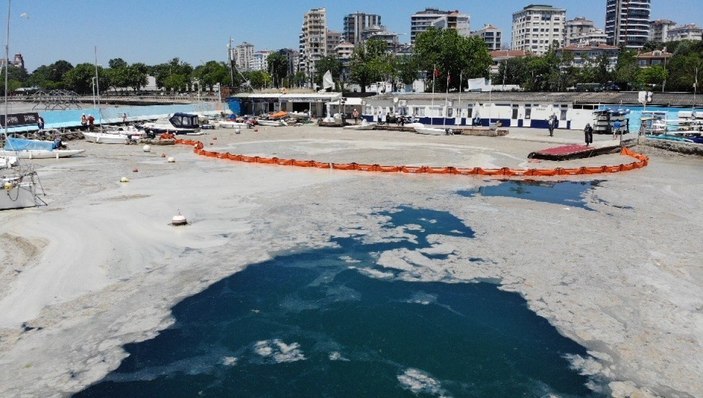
(124, 179)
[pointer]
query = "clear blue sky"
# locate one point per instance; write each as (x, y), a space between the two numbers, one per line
(155, 31)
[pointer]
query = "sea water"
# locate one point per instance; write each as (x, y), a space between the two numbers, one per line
(333, 323)
(567, 193)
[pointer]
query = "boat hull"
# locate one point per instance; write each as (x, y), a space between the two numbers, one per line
(40, 154)
(429, 130)
(106, 138)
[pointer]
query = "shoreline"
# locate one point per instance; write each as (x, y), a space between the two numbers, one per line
(94, 287)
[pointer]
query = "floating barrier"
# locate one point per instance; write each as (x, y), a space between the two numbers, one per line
(640, 162)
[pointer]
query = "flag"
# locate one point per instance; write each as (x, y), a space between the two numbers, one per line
(437, 72)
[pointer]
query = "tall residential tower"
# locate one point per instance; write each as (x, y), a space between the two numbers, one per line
(627, 23)
(536, 28)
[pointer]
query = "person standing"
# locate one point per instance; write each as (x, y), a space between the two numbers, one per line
(40, 123)
(91, 122)
(552, 124)
(84, 122)
(355, 115)
(588, 133)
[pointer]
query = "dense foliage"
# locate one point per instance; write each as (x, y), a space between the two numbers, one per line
(441, 56)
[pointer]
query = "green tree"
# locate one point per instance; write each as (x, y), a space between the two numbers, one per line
(278, 67)
(406, 68)
(81, 79)
(50, 77)
(117, 63)
(627, 70)
(370, 63)
(328, 63)
(211, 73)
(653, 76)
(445, 53)
(258, 79)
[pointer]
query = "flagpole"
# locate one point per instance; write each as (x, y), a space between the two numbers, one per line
(434, 72)
(461, 77)
(446, 103)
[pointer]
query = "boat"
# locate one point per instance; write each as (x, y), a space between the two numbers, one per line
(179, 123)
(231, 124)
(24, 148)
(271, 123)
(364, 125)
(422, 129)
(19, 182)
(120, 135)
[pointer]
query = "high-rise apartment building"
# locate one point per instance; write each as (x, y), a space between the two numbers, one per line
(582, 31)
(491, 35)
(536, 28)
(627, 23)
(689, 31)
(242, 56)
(432, 17)
(356, 24)
(313, 40)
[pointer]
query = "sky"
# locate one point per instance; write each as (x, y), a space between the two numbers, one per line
(156, 31)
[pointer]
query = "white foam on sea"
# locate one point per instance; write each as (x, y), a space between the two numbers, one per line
(229, 361)
(349, 260)
(374, 273)
(278, 351)
(419, 382)
(337, 356)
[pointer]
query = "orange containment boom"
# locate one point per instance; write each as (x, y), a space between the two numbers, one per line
(640, 161)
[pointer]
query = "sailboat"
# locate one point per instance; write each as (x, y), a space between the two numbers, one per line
(20, 183)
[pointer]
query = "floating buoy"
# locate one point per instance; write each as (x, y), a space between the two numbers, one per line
(171, 159)
(124, 179)
(256, 130)
(8, 185)
(237, 130)
(135, 170)
(163, 155)
(179, 219)
(146, 148)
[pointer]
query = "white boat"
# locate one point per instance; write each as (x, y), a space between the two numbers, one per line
(231, 124)
(121, 135)
(422, 129)
(363, 126)
(178, 123)
(271, 123)
(35, 149)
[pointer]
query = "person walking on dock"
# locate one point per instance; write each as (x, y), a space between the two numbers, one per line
(552, 124)
(588, 132)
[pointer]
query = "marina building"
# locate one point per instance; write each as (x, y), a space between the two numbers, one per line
(432, 17)
(536, 28)
(582, 31)
(355, 24)
(627, 23)
(491, 35)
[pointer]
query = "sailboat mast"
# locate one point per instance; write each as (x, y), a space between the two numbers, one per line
(7, 63)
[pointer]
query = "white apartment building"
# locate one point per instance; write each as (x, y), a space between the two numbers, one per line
(686, 32)
(584, 55)
(432, 17)
(379, 32)
(659, 30)
(242, 55)
(259, 60)
(344, 50)
(491, 35)
(313, 40)
(537, 27)
(582, 31)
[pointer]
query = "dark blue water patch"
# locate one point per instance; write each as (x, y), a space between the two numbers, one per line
(313, 325)
(568, 193)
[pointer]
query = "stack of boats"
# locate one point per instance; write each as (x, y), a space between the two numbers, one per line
(687, 128)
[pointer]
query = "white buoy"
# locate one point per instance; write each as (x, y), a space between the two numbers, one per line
(124, 179)
(237, 130)
(178, 220)
(146, 148)
(171, 159)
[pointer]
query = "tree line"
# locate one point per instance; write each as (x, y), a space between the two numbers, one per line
(442, 58)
